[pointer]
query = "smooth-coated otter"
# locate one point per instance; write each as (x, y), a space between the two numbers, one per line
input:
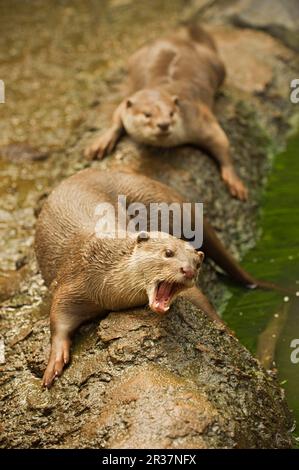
(171, 91)
(89, 275)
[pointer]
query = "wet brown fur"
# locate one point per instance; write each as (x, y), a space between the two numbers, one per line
(172, 84)
(88, 275)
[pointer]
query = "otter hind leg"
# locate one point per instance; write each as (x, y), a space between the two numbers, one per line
(59, 358)
(209, 135)
(65, 317)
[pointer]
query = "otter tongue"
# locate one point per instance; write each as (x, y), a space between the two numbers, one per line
(163, 292)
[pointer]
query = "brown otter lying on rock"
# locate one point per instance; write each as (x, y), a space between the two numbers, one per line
(89, 274)
(172, 86)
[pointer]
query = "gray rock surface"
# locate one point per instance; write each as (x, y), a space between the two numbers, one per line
(139, 381)
(277, 17)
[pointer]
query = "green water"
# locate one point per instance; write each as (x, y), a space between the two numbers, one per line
(265, 321)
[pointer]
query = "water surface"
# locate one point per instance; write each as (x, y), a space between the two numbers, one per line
(266, 321)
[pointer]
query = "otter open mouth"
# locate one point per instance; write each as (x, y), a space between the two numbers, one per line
(163, 295)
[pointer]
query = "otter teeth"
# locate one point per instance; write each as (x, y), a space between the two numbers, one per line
(163, 294)
(158, 304)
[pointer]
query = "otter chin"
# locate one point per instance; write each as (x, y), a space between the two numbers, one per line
(163, 293)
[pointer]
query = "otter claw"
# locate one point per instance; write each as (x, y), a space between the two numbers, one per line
(235, 185)
(58, 360)
(102, 146)
(92, 153)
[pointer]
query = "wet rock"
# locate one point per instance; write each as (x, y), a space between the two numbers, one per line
(276, 17)
(138, 380)
(173, 402)
(11, 282)
(152, 408)
(23, 334)
(18, 153)
(2, 352)
(248, 56)
(37, 401)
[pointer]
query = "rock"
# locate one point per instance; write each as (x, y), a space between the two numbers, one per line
(279, 18)
(248, 58)
(21, 153)
(26, 331)
(11, 281)
(166, 412)
(2, 352)
(138, 380)
(276, 17)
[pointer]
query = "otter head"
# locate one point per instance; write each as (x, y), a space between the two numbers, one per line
(154, 118)
(165, 267)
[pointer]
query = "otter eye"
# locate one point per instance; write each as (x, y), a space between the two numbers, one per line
(148, 115)
(169, 253)
(171, 113)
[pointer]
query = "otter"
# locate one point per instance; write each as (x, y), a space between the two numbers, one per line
(89, 274)
(172, 84)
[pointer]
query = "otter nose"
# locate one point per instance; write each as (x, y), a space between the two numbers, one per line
(163, 126)
(188, 272)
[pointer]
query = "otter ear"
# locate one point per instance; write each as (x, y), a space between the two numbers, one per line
(142, 237)
(129, 104)
(176, 100)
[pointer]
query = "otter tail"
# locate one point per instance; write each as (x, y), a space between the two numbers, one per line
(198, 34)
(215, 250)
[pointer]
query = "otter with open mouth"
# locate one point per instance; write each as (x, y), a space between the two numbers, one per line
(162, 293)
(89, 275)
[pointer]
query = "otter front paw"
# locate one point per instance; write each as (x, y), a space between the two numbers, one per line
(101, 146)
(57, 361)
(235, 185)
